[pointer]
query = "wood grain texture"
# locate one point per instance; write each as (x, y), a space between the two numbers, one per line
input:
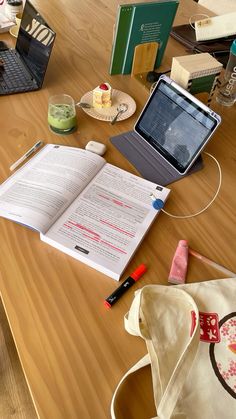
(144, 57)
(72, 350)
(15, 399)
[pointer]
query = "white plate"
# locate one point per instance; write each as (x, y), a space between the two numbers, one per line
(107, 114)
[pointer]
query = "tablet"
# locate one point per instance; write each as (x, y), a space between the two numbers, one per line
(176, 124)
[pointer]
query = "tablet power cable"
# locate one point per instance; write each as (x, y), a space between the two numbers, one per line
(159, 206)
(191, 22)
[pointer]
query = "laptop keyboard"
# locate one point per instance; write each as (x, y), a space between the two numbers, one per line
(14, 77)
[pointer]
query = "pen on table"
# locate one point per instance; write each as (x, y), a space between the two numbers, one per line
(26, 155)
(211, 263)
(135, 276)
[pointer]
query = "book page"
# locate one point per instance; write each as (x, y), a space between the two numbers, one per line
(219, 7)
(105, 224)
(42, 189)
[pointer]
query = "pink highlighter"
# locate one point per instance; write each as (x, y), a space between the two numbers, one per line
(179, 264)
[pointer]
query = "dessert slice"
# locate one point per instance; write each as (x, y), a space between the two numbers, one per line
(102, 96)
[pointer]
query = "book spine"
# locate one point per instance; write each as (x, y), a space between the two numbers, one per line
(122, 30)
(124, 71)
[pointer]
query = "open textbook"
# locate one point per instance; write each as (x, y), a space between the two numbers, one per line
(82, 205)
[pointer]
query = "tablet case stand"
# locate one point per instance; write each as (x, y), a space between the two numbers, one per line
(147, 161)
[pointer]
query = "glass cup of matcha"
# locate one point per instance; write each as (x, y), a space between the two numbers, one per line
(62, 114)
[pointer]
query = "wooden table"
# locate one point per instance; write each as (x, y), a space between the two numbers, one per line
(73, 351)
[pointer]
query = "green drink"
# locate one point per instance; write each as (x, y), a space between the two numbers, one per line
(62, 114)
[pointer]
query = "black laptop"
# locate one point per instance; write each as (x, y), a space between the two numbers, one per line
(25, 66)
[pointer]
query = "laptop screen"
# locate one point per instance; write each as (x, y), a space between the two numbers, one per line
(35, 41)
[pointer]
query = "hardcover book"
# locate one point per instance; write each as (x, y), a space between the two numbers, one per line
(81, 205)
(196, 73)
(138, 24)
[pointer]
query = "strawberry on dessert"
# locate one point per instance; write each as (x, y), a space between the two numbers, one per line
(103, 86)
(102, 96)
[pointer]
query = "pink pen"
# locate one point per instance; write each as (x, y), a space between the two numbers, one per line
(212, 263)
(179, 264)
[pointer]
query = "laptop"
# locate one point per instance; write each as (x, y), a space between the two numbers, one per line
(25, 66)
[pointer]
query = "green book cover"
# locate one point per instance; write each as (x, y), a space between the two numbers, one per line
(120, 39)
(202, 84)
(137, 24)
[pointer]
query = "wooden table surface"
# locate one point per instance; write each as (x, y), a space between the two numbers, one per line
(73, 351)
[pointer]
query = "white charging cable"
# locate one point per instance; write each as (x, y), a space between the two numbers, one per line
(194, 16)
(211, 201)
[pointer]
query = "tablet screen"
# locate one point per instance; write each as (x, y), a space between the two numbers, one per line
(175, 124)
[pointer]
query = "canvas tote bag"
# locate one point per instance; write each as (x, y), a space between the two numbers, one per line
(190, 333)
